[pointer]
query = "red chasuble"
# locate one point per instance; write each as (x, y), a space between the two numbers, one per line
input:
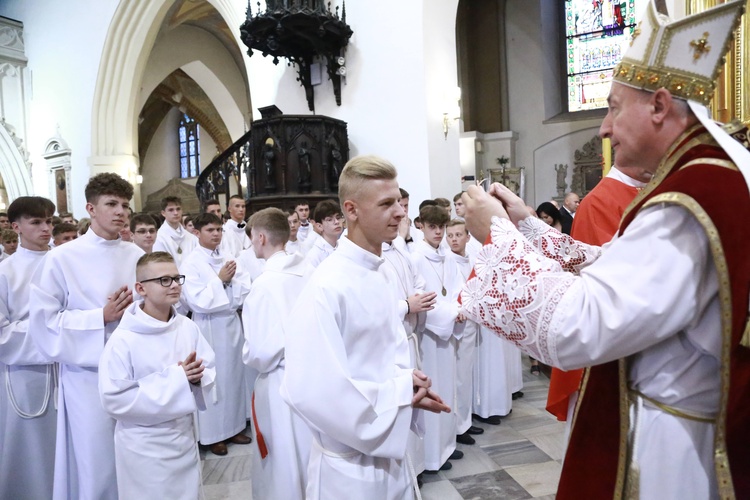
(595, 223)
(698, 175)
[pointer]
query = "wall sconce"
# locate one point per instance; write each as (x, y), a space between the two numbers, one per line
(139, 179)
(452, 109)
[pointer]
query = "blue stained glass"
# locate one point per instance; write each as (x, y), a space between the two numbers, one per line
(183, 168)
(597, 32)
(183, 150)
(182, 133)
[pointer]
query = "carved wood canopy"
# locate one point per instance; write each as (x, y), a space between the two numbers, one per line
(587, 167)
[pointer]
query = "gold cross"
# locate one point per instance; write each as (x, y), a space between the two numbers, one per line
(700, 46)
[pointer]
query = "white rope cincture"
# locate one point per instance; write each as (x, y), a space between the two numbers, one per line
(14, 403)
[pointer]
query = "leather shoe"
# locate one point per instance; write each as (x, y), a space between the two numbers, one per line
(240, 439)
(219, 449)
(446, 466)
(465, 438)
(492, 419)
(475, 430)
(456, 455)
(516, 395)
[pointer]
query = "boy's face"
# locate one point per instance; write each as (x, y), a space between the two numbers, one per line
(457, 238)
(404, 202)
(172, 214)
(4, 222)
(153, 291)
(10, 246)
(214, 209)
(65, 238)
(68, 219)
(237, 209)
(378, 212)
(459, 206)
(34, 231)
(144, 236)
(331, 227)
(109, 214)
(209, 236)
(433, 234)
(303, 211)
(293, 225)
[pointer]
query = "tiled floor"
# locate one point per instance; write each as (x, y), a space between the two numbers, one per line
(518, 459)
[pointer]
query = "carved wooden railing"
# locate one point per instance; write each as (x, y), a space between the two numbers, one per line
(222, 177)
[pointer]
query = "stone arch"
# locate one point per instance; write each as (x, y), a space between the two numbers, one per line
(129, 41)
(13, 166)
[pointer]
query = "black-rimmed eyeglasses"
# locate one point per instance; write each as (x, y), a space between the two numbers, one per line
(166, 281)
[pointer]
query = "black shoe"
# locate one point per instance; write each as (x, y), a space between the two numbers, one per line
(420, 482)
(535, 370)
(516, 395)
(446, 466)
(492, 420)
(465, 438)
(475, 430)
(456, 455)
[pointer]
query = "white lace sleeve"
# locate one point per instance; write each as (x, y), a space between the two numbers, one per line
(514, 290)
(572, 255)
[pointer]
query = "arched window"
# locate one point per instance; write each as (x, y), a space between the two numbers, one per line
(597, 34)
(189, 147)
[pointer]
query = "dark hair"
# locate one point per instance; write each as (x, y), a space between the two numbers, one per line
(64, 227)
(30, 206)
(301, 203)
(404, 193)
(325, 209)
(107, 184)
(236, 197)
(443, 202)
(142, 219)
(56, 220)
(548, 208)
(62, 215)
(433, 214)
(458, 196)
(204, 220)
(427, 203)
(170, 199)
(210, 202)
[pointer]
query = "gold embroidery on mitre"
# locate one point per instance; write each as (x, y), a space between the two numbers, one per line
(636, 32)
(700, 46)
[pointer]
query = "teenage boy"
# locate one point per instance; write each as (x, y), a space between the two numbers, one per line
(215, 288)
(234, 229)
(64, 233)
(143, 227)
(347, 357)
(27, 413)
(154, 374)
(327, 219)
(293, 245)
(172, 237)
(303, 212)
(440, 331)
(279, 468)
(473, 246)
(4, 221)
(80, 292)
(67, 217)
(10, 243)
(458, 237)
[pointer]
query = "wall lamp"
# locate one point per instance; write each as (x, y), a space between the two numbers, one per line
(452, 109)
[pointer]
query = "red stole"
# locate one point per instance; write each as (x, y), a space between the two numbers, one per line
(595, 223)
(594, 466)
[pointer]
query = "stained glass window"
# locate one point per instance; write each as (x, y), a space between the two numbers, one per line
(189, 147)
(598, 32)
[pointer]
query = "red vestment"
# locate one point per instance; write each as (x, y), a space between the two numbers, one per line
(595, 223)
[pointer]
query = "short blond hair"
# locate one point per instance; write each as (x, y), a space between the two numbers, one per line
(273, 221)
(456, 222)
(150, 258)
(360, 169)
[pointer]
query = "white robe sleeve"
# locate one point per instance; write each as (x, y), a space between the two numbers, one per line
(16, 346)
(643, 289)
(150, 400)
(572, 255)
(204, 351)
(203, 291)
(64, 335)
(372, 417)
(264, 338)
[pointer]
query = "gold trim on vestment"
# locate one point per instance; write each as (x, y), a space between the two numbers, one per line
(711, 161)
(721, 460)
(671, 409)
(621, 488)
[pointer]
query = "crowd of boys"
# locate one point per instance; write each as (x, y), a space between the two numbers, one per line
(137, 323)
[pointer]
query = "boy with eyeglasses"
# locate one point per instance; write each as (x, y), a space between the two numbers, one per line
(215, 288)
(144, 230)
(155, 372)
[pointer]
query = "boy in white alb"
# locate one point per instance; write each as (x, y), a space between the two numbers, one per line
(441, 330)
(78, 295)
(154, 374)
(327, 220)
(279, 467)
(172, 237)
(458, 238)
(27, 413)
(347, 358)
(294, 244)
(235, 240)
(215, 288)
(143, 227)
(302, 209)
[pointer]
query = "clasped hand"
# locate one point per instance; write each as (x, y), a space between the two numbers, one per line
(424, 398)
(481, 206)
